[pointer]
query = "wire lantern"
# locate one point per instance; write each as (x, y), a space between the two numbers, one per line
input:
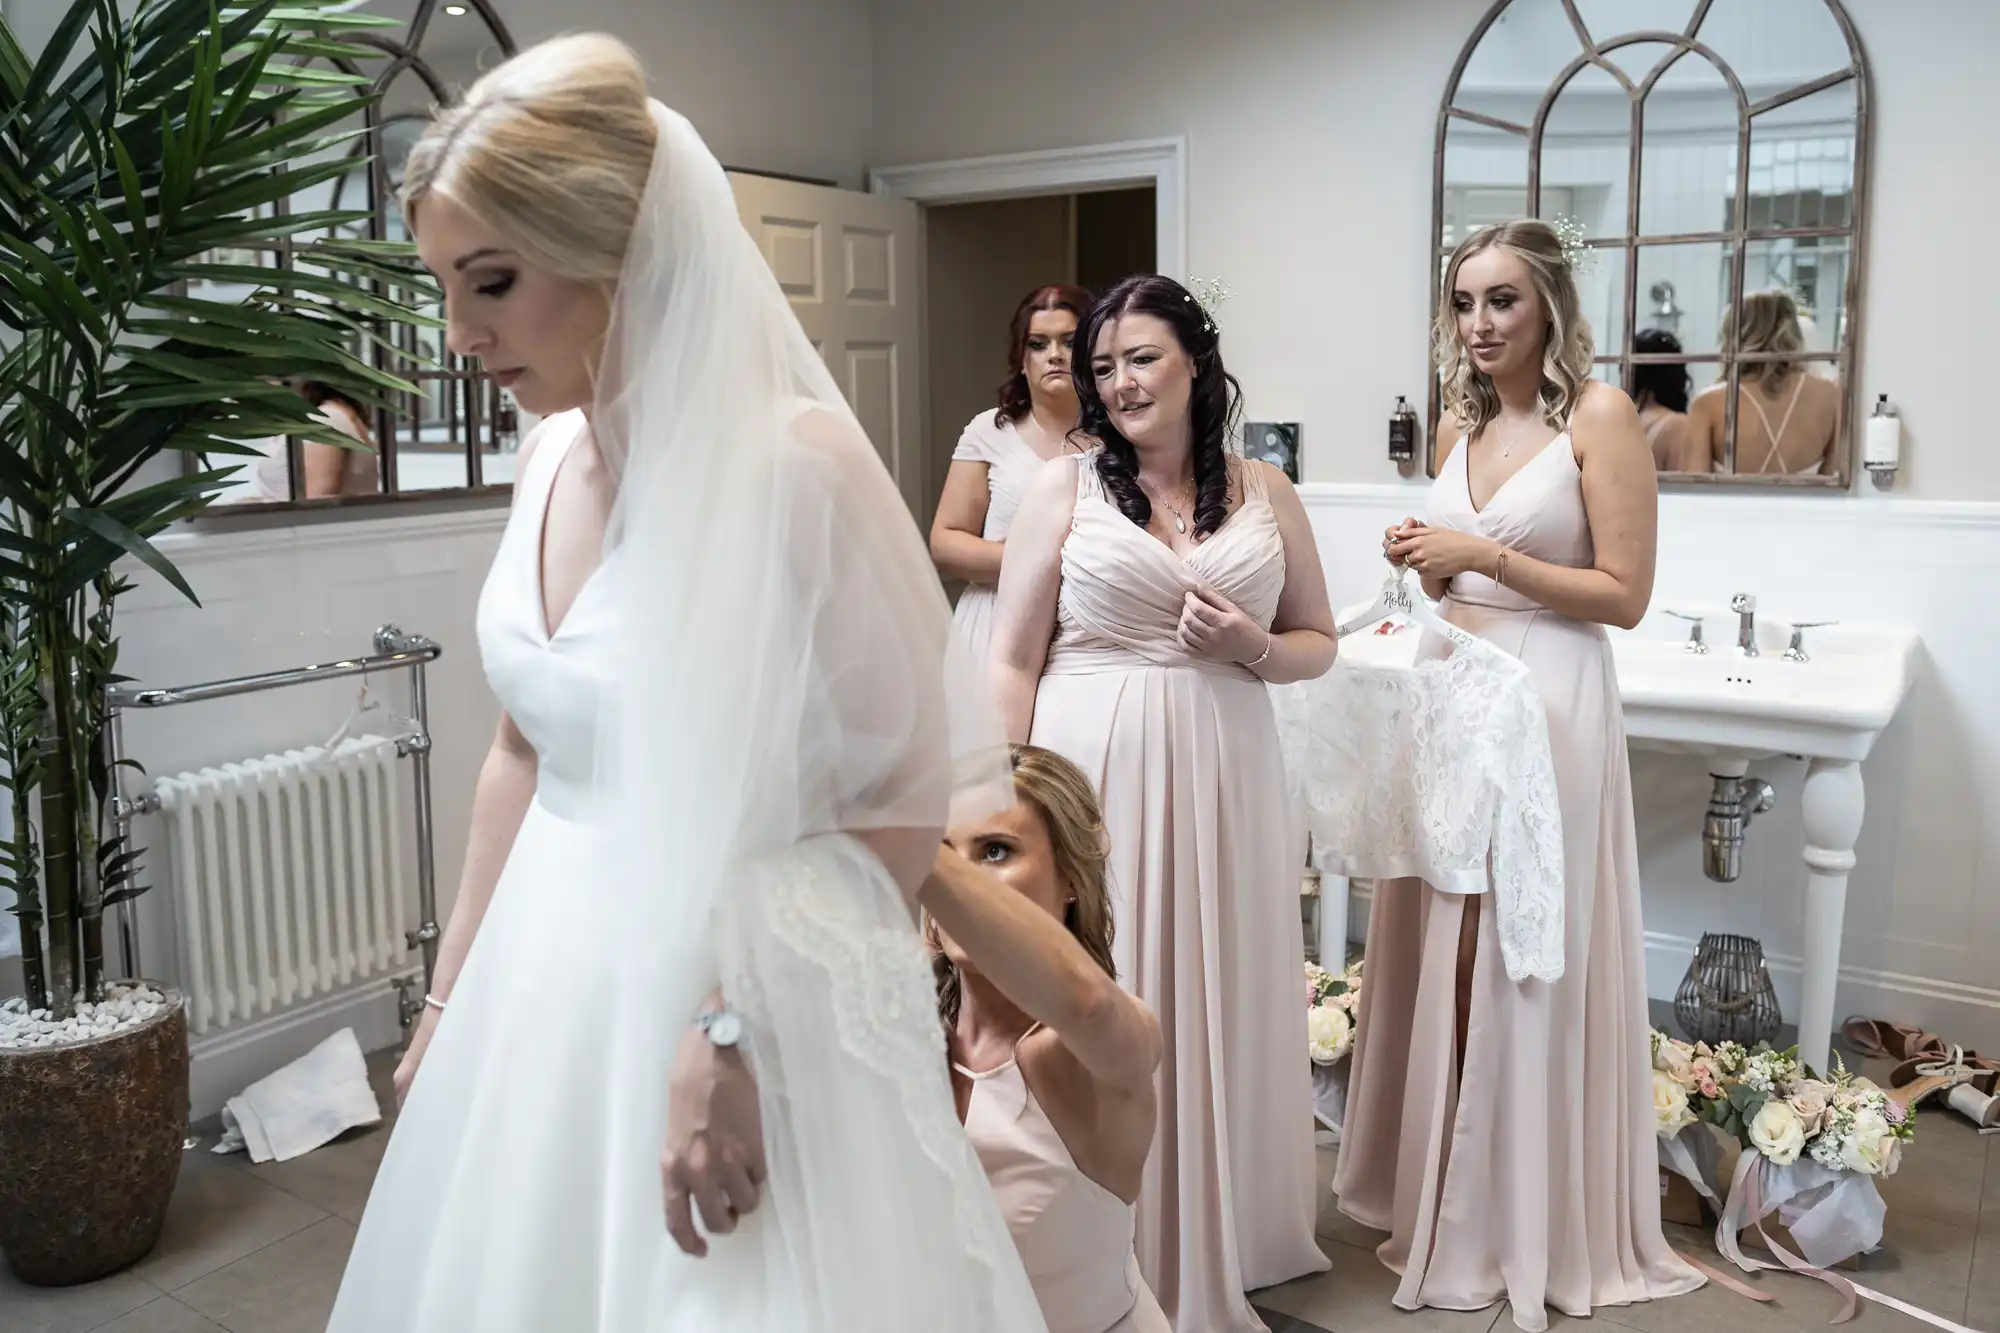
(1727, 993)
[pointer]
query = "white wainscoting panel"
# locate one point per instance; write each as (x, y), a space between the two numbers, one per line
(287, 596)
(1922, 941)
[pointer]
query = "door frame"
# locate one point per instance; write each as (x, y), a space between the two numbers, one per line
(1160, 163)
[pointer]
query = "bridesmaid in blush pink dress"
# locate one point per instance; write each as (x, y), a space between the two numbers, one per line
(1502, 1132)
(1150, 591)
(1053, 1064)
(1000, 452)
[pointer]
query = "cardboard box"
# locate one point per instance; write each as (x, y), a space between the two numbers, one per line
(1679, 1202)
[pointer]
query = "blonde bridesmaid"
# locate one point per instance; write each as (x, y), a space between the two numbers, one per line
(1053, 1064)
(1501, 1132)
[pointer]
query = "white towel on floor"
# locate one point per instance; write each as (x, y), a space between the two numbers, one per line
(310, 1102)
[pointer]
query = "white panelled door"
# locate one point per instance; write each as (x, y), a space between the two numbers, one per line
(849, 263)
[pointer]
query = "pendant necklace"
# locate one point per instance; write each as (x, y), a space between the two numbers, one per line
(1064, 448)
(1180, 517)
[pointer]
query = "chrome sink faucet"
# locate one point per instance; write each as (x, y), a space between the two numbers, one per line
(1745, 607)
(1694, 642)
(1797, 651)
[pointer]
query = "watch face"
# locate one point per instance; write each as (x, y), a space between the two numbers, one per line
(725, 1029)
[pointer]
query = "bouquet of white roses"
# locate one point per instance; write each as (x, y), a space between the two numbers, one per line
(1687, 1077)
(1766, 1100)
(1844, 1123)
(1332, 999)
(1812, 1145)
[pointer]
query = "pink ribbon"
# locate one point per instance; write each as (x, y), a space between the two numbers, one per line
(1744, 1210)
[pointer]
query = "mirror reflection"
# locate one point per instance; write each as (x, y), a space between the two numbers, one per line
(1712, 156)
(459, 431)
(1586, 143)
(1787, 407)
(322, 471)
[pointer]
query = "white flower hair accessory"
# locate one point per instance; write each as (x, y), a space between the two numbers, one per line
(1208, 293)
(1576, 254)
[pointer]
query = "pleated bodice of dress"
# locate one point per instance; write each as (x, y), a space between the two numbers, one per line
(1123, 590)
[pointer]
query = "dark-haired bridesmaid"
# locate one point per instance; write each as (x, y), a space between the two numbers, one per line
(1151, 590)
(1000, 452)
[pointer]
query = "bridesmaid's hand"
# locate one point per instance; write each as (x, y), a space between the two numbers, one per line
(714, 1154)
(1214, 629)
(1440, 553)
(1391, 534)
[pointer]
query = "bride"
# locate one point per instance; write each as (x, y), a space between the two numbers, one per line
(681, 1069)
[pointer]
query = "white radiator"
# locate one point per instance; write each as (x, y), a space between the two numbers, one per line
(287, 878)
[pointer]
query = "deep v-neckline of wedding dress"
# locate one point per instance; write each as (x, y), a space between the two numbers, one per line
(548, 634)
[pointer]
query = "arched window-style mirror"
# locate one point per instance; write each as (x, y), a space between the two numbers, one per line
(1713, 154)
(459, 434)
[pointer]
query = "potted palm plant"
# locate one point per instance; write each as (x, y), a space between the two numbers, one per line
(139, 151)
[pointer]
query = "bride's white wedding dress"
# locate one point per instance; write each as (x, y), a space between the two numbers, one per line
(519, 1192)
(755, 672)
(483, 1214)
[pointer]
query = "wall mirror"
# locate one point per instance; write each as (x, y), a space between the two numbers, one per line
(459, 434)
(1714, 155)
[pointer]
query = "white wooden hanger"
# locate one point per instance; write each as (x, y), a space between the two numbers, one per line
(1396, 598)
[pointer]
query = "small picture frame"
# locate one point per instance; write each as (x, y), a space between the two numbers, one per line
(1276, 443)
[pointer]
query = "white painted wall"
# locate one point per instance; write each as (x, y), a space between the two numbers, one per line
(773, 85)
(1310, 129)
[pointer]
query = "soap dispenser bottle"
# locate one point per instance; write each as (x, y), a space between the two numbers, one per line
(1882, 442)
(1402, 432)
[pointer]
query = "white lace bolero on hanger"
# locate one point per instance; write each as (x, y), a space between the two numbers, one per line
(1428, 770)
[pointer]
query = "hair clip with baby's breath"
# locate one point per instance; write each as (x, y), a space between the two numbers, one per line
(1576, 254)
(1208, 293)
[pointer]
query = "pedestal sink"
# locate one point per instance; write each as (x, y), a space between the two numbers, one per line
(1732, 708)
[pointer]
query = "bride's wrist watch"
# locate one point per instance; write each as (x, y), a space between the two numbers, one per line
(723, 1027)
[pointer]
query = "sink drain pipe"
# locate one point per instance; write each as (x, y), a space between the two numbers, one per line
(1733, 801)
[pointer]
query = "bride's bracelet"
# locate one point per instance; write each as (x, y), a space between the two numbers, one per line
(434, 1002)
(1270, 642)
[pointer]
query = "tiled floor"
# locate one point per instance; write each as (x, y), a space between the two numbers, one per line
(1940, 1252)
(248, 1249)
(259, 1249)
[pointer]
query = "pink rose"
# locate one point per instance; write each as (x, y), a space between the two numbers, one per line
(1810, 1104)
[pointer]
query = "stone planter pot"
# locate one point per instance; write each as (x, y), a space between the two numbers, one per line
(90, 1148)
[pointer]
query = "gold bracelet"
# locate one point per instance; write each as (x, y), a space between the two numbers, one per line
(1500, 570)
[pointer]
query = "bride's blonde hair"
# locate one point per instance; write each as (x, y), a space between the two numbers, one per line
(1566, 352)
(551, 150)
